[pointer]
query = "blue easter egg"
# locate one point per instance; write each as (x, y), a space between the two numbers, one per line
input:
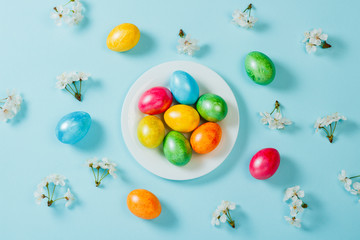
(73, 127)
(184, 87)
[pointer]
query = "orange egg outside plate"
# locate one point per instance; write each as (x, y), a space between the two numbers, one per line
(143, 204)
(206, 137)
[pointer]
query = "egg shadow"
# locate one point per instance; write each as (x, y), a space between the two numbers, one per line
(93, 139)
(286, 174)
(145, 45)
(284, 79)
(167, 218)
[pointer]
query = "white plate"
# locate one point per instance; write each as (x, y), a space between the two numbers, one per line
(153, 159)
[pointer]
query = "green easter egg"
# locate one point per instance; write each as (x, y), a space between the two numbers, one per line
(259, 68)
(177, 148)
(212, 107)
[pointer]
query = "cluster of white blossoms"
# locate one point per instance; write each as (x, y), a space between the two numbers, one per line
(222, 214)
(69, 13)
(43, 190)
(107, 167)
(328, 124)
(277, 121)
(314, 39)
(187, 45)
(294, 195)
(72, 82)
(244, 18)
(353, 188)
(10, 106)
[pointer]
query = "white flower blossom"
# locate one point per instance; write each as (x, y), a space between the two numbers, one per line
(278, 122)
(187, 45)
(296, 207)
(293, 221)
(57, 179)
(344, 179)
(69, 198)
(11, 107)
(83, 76)
(316, 37)
(266, 118)
(243, 19)
(63, 80)
(61, 15)
(293, 193)
(215, 218)
(39, 195)
(307, 36)
(222, 214)
(356, 188)
(310, 47)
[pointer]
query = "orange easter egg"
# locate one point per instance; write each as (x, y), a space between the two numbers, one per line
(143, 204)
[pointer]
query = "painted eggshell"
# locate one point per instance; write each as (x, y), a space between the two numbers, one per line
(206, 137)
(264, 163)
(182, 118)
(184, 87)
(123, 37)
(259, 68)
(177, 148)
(151, 131)
(143, 204)
(73, 127)
(155, 100)
(212, 107)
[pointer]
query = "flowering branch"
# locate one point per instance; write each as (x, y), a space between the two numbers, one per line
(297, 205)
(72, 83)
(70, 15)
(329, 121)
(244, 18)
(54, 180)
(222, 214)
(107, 167)
(276, 122)
(355, 189)
(315, 38)
(186, 44)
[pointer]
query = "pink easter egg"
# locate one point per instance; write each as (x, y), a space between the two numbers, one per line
(156, 100)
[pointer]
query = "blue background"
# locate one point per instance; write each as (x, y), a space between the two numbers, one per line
(34, 51)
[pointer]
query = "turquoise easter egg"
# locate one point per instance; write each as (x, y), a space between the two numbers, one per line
(184, 87)
(177, 148)
(259, 68)
(73, 127)
(212, 107)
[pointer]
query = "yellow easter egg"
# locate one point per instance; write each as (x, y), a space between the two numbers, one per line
(182, 118)
(151, 131)
(123, 37)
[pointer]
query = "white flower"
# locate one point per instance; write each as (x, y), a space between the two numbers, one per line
(226, 205)
(296, 207)
(107, 164)
(293, 221)
(83, 76)
(293, 193)
(13, 101)
(238, 16)
(39, 195)
(248, 23)
(356, 188)
(77, 7)
(93, 161)
(335, 118)
(266, 118)
(60, 15)
(344, 179)
(310, 47)
(76, 18)
(215, 218)
(278, 122)
(6, 112)
(69, 198)
(316, 37)
(320, 122)
(63, 80)
(57, 179)
(187, 45)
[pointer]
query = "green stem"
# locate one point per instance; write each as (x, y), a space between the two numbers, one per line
(75, 87)
(69, 92)
(334, 127)
(47, 187)
(331, 131)
(327, 133)
(71, 88)
(80, 85)
(93, 173)
(59, 199)
(354, 177)
(52, 195)
(104, 176)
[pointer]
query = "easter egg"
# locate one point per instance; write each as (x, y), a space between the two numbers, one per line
(123, 37)
(143, 204)
(151, 131)
(184, 87)
(155, 100)
(73, 127)
(182, 118)
(212, 107)
(177, 148)
(206, 137)
(259, 68)
(264, 163)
